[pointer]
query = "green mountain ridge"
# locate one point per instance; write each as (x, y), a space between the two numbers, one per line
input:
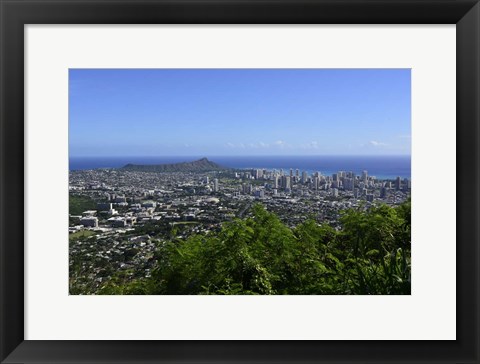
(201, 165)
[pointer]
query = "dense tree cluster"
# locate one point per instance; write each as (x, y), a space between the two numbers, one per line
(370, 254)
(79, 203)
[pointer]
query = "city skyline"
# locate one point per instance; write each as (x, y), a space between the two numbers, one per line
(179, 112)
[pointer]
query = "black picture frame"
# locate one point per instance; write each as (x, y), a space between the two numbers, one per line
(17, 13)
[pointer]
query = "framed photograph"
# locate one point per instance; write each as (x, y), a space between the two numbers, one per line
(239, 181)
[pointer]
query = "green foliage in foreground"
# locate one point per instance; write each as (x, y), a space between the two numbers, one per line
(260, 255)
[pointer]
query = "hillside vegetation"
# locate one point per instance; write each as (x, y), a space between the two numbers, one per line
(370, 254)
(78, 204)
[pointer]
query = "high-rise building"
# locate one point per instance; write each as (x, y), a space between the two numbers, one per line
(275, 181)
(259, 193)
(304, 177)
(383, 192)
(398, 184)
(247, 188)
(365, 176)
(215, 185)
(286, 182)
(348, 184)
(316, 182)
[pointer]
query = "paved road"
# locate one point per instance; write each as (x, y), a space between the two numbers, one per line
(245, 209)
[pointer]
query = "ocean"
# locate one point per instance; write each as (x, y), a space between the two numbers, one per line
(382, 167)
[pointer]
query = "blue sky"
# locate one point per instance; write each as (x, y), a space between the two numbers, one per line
(174, 112)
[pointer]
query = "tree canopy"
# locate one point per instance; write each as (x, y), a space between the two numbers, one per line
(369, 254)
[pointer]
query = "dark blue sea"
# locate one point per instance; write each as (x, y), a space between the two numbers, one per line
(383, 167)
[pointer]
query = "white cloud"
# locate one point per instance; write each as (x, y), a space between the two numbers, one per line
(312, 145)
(377, 144)
(263, 145)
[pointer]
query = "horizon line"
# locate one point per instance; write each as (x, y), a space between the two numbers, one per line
(239, 156)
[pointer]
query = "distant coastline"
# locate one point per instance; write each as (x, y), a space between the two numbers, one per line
(384, 167)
